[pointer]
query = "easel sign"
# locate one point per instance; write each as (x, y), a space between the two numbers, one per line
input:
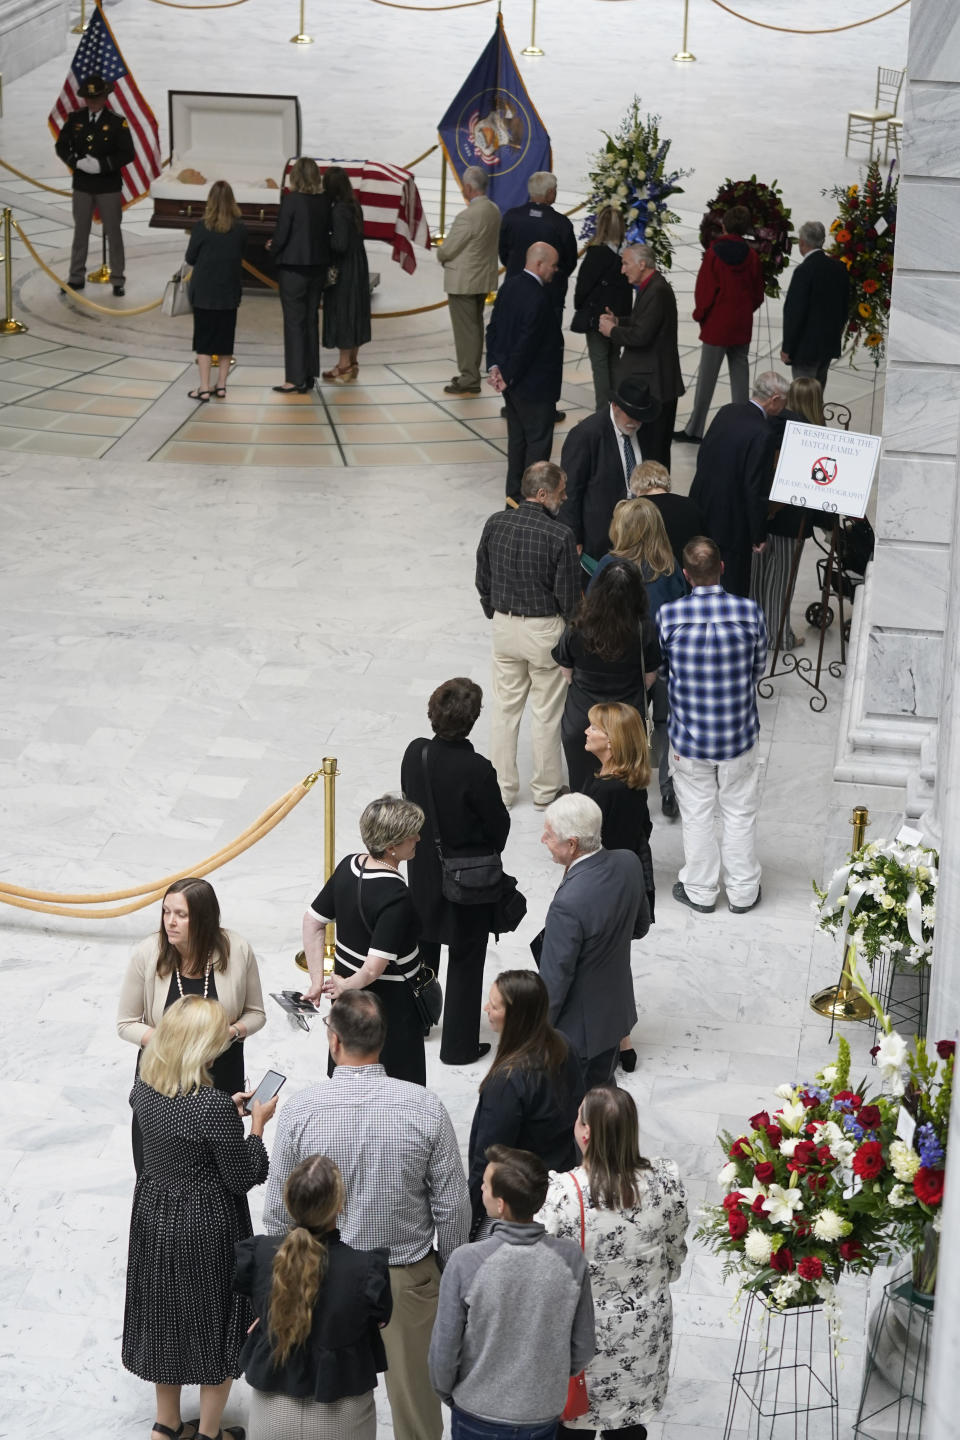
(824, 469)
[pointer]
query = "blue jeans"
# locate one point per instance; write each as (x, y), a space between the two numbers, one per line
(469, 1427)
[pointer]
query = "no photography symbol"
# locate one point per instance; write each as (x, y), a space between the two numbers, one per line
(824, 471)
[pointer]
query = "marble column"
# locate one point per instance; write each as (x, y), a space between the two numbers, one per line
(31, 31)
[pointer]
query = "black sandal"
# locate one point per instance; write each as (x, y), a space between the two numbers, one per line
(221, 392)
(165, 1430)
(236, 1432)
(200, 395)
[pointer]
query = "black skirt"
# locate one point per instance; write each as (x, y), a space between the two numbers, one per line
(214, 331)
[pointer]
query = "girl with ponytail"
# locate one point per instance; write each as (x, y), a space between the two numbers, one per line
(313, 1356)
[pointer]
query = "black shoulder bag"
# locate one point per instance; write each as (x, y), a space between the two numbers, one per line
(427, 992)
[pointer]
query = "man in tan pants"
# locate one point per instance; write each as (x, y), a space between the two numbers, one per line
(528, 581)
(469, 259)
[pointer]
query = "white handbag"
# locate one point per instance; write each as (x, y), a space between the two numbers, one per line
(176, 301)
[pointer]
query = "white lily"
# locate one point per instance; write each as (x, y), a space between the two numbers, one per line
(792, 1114)
(781, 1203)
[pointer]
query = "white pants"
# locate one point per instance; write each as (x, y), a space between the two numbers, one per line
(733, 785)
(522, 666)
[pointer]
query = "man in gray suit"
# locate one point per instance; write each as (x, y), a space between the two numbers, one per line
(469, 259)
(600, 906)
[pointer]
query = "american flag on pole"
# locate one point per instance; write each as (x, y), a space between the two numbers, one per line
(99, 54)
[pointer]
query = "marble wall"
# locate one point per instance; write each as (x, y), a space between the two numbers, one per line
(31, 31)
(895, 674)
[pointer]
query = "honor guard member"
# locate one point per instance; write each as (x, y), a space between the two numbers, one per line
(96, 143)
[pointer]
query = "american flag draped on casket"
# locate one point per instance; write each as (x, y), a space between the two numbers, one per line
(392, 209)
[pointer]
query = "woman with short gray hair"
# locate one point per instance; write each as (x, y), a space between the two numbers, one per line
(378, 931)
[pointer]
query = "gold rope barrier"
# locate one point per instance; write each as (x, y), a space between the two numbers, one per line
(831, 30)
(431, 9)
(66, 194)
(10, 895)
(422, 157)
(259, 275)
(81, 299)
(221, 5)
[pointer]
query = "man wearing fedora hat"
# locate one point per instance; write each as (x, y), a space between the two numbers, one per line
(96, 143)
(599, 456)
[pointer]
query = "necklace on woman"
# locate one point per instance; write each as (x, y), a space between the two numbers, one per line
(206, 980)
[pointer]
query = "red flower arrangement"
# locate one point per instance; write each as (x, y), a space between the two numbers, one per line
(772, 228)
(863, 240)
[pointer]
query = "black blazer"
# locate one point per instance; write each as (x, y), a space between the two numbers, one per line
(649, 340)
(523, 226)
(473, 821)
(734, 473)
(815, 310)
(217, 276)
(601, 285)
(344, 1351)
(528, 1110)
(595, 481)
(525, 339)
(302, 236)
(682, 518)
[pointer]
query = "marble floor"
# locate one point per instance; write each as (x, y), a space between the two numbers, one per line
(195, 612)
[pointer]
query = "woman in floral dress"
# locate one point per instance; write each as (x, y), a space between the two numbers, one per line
(635, 1218)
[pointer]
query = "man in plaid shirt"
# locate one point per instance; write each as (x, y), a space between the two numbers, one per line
(715, 650)
(528, 580)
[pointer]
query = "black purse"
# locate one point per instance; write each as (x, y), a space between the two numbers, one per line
(464, 879)
(426, 988)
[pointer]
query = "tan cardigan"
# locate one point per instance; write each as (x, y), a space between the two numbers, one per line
(144, 992)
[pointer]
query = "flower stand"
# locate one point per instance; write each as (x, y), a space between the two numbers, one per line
(902, 993)
(792, 1378)
(891, 1401)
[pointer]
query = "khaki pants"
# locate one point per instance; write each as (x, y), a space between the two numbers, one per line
(414, 1403)
(111, 211)
(522, 666)
(466, 321)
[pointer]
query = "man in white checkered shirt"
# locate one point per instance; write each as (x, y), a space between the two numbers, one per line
(395, 1147)
(714, 652)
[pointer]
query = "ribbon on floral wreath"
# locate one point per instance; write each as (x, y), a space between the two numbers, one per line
(915, 916)
(838, 884)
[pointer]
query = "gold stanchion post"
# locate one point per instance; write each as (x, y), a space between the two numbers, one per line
(9, 326)
(683, 54)
(533, 48)
(101, 275)
(329, 773)
(301, 38)
(81, 25)
(441, 234)
(844, 1001)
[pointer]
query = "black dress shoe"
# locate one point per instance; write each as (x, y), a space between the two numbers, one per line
(670, 805)
(559, 416)
(683, 437)
(292, 389)
(681, 896)
(119, 291)
(481, 1051)
(74, 285)
(628, 1061)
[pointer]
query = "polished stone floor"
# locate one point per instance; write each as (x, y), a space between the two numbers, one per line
(195, 612)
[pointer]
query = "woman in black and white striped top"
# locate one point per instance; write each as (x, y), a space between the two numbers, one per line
(377, 931)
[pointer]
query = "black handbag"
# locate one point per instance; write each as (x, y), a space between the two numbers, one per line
(464, 879)
(426, 988)
(510, 908)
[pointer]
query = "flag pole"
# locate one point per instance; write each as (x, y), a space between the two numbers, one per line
(101, 275)
(81, 26)
(533, 48)
(441, 234)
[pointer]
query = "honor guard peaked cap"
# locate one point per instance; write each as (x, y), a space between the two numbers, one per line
(94, 88)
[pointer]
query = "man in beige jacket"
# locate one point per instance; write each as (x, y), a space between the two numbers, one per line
(469, 259)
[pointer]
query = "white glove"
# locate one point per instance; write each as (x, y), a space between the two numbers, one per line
(89, 164)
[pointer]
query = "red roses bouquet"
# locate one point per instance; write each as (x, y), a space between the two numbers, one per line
(771, 232)
(863, 240)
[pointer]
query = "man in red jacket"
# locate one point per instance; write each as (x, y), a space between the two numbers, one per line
(729, 288)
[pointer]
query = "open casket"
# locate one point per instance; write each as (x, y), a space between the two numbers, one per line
(244, 139)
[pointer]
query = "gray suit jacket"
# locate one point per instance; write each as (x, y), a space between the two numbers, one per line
(469, 253)
(600, 905)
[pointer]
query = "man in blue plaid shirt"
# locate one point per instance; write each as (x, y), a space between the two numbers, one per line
(715, 650)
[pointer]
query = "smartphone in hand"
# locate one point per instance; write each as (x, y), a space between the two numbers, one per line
(269, 1086)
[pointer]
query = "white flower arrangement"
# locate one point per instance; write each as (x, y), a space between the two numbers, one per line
(884, 898)
(631, 174)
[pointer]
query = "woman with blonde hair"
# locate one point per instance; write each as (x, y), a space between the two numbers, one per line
(637, 533)
(682, 516)
(313, 1355)
(601, 285)
(770, 569)
(216, 251)
(182, 1323)
(633, 1220)
(300, 247)
(617, 736)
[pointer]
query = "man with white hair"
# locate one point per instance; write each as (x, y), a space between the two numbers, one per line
(524, 225)
(469, 259)
(816, 309)
(648, 337)
(734, 474)
(600, 906)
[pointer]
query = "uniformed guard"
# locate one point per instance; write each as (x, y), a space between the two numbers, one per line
(96, 143)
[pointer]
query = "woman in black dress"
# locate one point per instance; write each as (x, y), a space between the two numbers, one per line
(530, 1095)
(346, 304)
(300, 247)
(378, 931)
(313, 1356)
(616, 736)
(609, 652)
(601, 285)
(216, 254)
(183, 1324)
(191, 954)
(465, 802)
